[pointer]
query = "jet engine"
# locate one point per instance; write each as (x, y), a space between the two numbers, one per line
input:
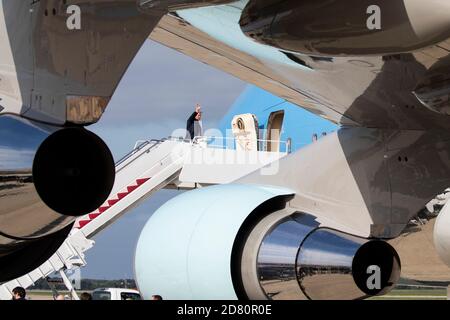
(48, 177)
(243, 241)
(349, 28)
(292, 257)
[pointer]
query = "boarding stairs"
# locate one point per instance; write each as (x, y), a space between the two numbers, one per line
(150, 166)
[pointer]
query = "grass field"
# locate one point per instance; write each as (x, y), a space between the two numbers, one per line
(414, 294)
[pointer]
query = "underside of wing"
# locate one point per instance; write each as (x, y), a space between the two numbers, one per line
(388, 90)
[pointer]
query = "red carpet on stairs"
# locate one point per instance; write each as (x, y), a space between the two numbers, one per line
(120, 196)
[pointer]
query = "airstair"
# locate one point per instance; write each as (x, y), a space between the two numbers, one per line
(150, 166)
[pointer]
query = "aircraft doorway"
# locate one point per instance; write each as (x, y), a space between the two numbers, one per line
(274, 127)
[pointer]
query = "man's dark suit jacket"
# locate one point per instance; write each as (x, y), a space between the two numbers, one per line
(190, 125)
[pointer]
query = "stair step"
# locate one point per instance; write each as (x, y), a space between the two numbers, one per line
(83, 222)
(122, 195)
(103, 209)
(142, 181)
(93, 215)
(113, 202)
(132, 188)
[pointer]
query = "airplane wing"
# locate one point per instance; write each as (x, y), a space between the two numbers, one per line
(57, 71)
(60, 63)
(394, 91)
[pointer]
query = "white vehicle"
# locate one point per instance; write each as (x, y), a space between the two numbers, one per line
(115, 294)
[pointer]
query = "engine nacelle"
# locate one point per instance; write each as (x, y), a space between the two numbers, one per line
(351, 28)
(48, 177)
(240, 241)
(185, 249)
(290, 256)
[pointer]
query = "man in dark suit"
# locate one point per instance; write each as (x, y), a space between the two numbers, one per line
(193, 124)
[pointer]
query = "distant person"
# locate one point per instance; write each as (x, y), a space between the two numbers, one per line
(156, 297)
(19, 293)
(314, 137)
(194, 126)
(85, 296)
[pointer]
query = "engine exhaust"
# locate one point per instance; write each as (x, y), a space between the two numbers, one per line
(73, 171)
(294, 258)
(347, 266)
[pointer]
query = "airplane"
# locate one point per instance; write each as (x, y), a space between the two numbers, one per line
(320, 227)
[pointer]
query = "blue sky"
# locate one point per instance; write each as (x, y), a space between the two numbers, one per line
(156, 95)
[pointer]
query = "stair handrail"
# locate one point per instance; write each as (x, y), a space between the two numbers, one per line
(129, 154)
(158, 163)
(137, 149)
(261, 143)
(160, 172)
